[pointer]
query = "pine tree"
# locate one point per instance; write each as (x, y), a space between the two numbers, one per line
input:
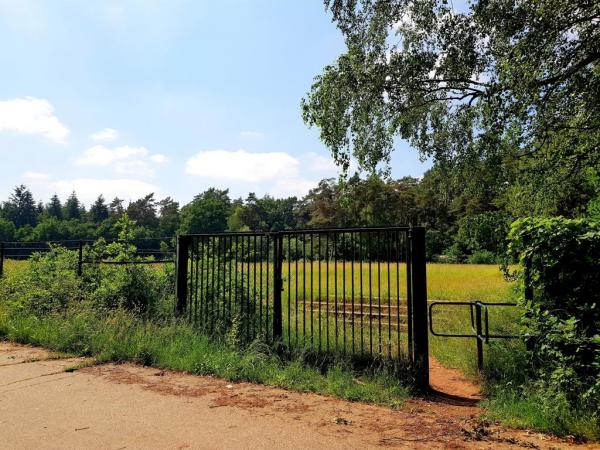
(99, 210)
(21, 208)
(54, 208)
(72, 207)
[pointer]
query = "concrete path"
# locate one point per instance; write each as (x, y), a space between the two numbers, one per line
(46, 404)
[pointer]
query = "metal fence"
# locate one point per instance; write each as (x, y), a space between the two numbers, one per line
(350, 291)
(147, 251)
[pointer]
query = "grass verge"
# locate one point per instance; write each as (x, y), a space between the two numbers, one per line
(177, 346)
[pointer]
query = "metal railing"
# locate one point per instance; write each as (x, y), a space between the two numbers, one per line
(480, 323)
(148, 251)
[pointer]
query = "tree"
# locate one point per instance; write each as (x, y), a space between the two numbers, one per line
(72, 208)
(20, 208)
(207, 212)
(54, 208)
(506, 87)
(7, 230)
(115, 209)
(99, 210)
(143, 212)
(169, 219)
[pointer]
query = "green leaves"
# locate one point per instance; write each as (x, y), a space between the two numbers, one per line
(560, 266)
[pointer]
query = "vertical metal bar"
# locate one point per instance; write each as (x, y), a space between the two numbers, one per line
(479, 336)
(235, 280)
(243, 318)
(312, 249)
(182, 273)
(353, 244)
(296, 296)
(327, 288)
(379, 289)
(230, 256)
(224, 279)
(255, 261)
(419, 286)
(303, 289)
(370, 293)
(212, 284)
(249, 314)
(320, 298)
(409, 295)
(362, 312)
(202, 264)
(344, 293)
(198, 255)
(398, 302)
(277, 313)
(389, 297)
(190, 308)
(289, 290)
(335, 288)
(268, 283)
(260, 277)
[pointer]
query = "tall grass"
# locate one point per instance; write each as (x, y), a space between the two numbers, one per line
(120, 336)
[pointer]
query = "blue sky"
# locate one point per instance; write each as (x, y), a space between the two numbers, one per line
(134, 96)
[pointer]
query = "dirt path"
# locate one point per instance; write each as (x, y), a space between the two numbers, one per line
(127, 406)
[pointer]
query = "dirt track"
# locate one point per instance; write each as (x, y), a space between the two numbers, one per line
(127, 406)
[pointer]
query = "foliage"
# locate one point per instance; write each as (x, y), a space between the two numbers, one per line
(482, 232)
(562, 257)
(208, 212)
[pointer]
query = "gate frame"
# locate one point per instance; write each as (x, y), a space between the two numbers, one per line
(416, 270)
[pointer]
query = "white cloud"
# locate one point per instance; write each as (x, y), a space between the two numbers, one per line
(320, 163)
(251, 134)
(107, 134)
(99, 155)
(159, 159)
(31, 115)
(88, 189)
(35, 177)
(297, 187)
(242, 165)
(123, 160)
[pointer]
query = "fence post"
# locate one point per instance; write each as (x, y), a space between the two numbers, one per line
(419, 308)
(80, 260)
(1, 259)
(479, 332)
(181, 281)
(278, 286)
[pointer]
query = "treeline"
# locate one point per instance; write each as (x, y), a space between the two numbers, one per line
(461, 226)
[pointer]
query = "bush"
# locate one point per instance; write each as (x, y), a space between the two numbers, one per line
(562, 261)
(482, 257)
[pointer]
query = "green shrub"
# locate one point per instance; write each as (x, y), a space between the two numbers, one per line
(48, 283)
(562, 257)
(482, 257)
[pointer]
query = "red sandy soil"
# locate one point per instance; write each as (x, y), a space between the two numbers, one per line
(127, 406)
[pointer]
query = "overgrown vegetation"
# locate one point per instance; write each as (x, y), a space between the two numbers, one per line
(552, 383)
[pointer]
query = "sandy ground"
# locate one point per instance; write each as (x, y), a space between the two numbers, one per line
(124, 406)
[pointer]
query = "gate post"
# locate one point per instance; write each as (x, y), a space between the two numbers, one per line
(419, 308)
(181, 281)
(278, 286)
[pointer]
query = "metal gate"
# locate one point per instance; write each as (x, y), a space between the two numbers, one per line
(350, 291)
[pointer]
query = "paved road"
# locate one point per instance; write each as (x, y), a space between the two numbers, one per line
(42, 406)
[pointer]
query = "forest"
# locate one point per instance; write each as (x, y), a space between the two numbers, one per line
(466, 217)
